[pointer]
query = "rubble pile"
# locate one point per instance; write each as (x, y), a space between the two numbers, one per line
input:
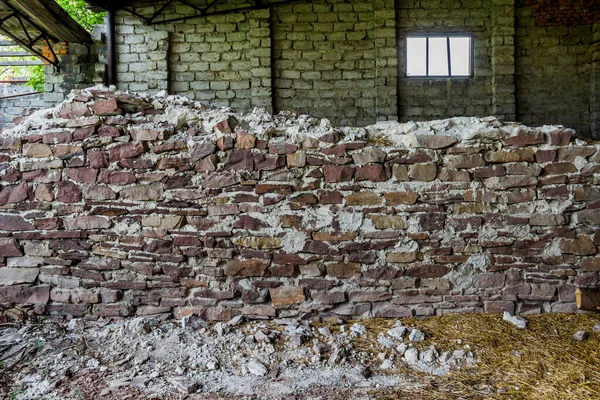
(271, 359)
(116, 204)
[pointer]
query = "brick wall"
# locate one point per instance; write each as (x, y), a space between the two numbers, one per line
(76, 71)
(225, 60)
(336, 59)
(554, 72)
(565, 12)
(116, 216)
(344, 60)
(14, 108)
(421, 98)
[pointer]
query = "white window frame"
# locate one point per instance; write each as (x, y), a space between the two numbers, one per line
(448, 36)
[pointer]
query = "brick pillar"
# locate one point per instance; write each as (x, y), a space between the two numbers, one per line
(260, 59)
(503, 59)
(76, 72)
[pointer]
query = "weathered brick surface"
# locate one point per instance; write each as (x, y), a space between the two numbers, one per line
(289, 223)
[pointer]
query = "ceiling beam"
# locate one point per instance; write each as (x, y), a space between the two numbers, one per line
(53, 20)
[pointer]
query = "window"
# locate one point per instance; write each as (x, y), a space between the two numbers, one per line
(438, 55)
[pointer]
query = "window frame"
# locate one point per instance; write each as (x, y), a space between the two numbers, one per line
(447, 35)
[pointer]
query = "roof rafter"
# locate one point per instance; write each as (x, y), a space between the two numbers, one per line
(35, 24)
(204, 11)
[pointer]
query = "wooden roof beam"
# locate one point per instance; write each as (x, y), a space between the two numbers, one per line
(51, 18)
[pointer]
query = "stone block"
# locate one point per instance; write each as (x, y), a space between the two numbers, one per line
(338, 173)
(140, 133)
(486, 281)
(83, 175)
(163, 221)
(297, 159)
(244, 140)
(15, 276)
(467, 161)
(388, 221)
(126, 150)
(37, 150)
(401, 257)
(582, 245)
(285, 296)
(371, 172)
(344, 270)
(435, 142)
(259, 243)
(423, 172)
(363, 199)
(14, 193)
(25, 294)
(328, 296)
(237, 267)
(369, 155)
(400, 198)
(499, 307)
(240, 160)
(86, 222)
(151, 192)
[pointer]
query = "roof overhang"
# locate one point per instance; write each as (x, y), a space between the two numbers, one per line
(32, 24)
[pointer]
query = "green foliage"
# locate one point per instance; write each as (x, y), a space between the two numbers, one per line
(79, 12)
(14, 394)
(36, 79)
(77, 9)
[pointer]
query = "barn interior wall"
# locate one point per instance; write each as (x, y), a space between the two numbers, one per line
(336, 59)
(345, 60)
(553, 70)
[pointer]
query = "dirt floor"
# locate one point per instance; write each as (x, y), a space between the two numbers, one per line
(458, 356)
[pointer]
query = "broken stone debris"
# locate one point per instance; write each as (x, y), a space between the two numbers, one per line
(202, 360)
(580, 336)
(516, 320)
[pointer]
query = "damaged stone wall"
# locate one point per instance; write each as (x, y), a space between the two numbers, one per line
(115, 205)
(595, 88)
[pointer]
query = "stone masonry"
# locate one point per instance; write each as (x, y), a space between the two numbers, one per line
(114, 204)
